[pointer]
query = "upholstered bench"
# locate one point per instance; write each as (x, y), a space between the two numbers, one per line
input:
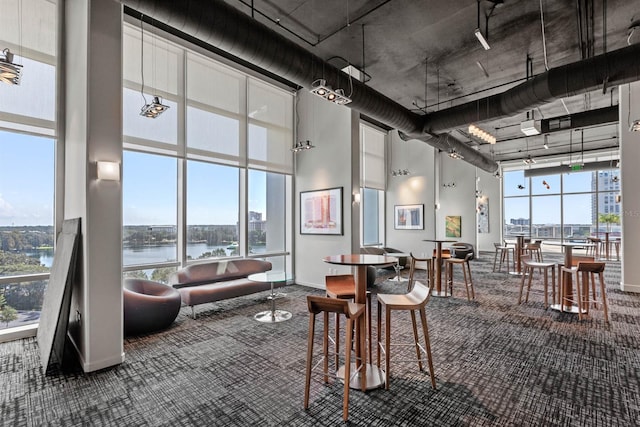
(219, 280)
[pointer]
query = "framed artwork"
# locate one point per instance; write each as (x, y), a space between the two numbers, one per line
(321, 211)
(408, 217)
(453, 226)
(483, 214)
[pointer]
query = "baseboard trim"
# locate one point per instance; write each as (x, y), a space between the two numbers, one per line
(624, 287)
(96, 365)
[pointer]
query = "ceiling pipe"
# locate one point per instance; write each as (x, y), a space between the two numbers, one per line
(609, 69)
(224, 27)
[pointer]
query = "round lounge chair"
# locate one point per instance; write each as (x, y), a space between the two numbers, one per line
(148, 306)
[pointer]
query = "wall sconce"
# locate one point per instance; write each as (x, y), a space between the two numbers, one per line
(449, 185)
(356, 198)
(109, 171)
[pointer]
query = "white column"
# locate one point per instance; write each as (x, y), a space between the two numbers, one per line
(92, 73)
(629, 177)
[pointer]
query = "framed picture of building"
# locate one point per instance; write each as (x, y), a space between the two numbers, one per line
(408, 217)
(453, 225)
(321, 211)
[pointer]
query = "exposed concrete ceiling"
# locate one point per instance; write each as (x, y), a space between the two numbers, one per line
(413, 48)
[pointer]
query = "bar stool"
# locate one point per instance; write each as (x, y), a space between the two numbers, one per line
(589, 271)
(419, 263)
(574, 263)
(416, 299)
(534, 249)
(528, 267)
(343, 286)
(503, 250)
(352, 312)
(466, 271)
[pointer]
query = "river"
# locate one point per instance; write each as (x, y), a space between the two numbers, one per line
(149, 254)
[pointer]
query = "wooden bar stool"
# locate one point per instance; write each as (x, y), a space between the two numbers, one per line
(503, 250)
(352, 312)
(416, 263)
(528, 268)
(343, 286)
(416, 299)
(466, 271)
(584, 274)
(534, 249)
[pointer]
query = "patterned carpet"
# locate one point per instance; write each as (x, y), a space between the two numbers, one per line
(496, 363)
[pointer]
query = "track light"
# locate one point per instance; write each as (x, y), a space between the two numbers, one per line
(635, 126)
(483, 41)
(546, 142)
(323, 90)
(302, 145)
(529, 160)
(10, 73)
(153, 109)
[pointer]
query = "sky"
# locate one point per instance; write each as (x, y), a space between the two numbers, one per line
(26, 179)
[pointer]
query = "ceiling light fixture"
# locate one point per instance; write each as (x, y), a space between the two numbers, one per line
(323, 90)
(529, 160)
(546, 142)
(483, 41)
(400, 172)
(453, 153)
(302, 145)
(153, 109)
(481, 134)
(635, 126)
(10, 73)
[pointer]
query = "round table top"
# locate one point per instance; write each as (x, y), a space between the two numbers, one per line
(360, 259)
(439, 240)
(270, 276)
(569, 244)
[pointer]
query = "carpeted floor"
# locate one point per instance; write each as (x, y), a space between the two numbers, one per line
(496, 363)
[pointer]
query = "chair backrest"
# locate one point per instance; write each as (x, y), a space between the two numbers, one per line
(576, 259)
(444, 252)
(499, 245)
(318, 304)
(420, 293)
(342, 280)
(591, 267)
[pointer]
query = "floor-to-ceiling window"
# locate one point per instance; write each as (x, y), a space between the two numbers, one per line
(216, 165)
(373, 174)
(28, 139)
(570, 206)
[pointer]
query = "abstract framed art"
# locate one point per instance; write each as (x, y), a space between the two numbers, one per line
(408, 217)
(321, 211)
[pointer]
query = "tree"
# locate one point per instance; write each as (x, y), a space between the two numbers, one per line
(8, 314)
(609, 218)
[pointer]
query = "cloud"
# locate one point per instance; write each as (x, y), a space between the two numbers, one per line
(6, 209)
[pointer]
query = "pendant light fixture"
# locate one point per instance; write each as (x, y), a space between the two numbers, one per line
(155, 107)
(10, 73)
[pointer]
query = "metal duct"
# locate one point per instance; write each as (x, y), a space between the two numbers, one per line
(224, 27)
(609, 69)
(556, 170)
(447, 142)
(580, 120)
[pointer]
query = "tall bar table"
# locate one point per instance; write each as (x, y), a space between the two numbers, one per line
(370, 375)
(518, 254)
(438, 292)
(567, 280)
(272, 315)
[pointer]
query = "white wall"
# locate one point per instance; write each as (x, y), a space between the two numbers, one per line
(630, 176)
(457, 200)
(330, 128)
(490, 187)
(417, 188)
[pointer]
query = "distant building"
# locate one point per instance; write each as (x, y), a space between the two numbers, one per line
(255, 221)
(519, 221)
(607, 183)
